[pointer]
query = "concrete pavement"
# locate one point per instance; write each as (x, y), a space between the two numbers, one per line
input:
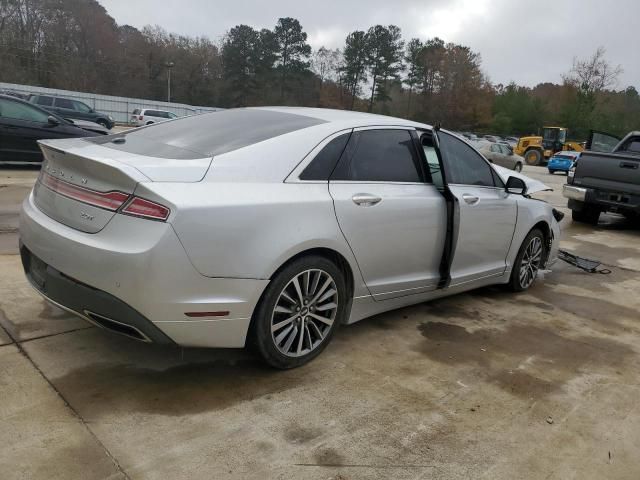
(487, 384)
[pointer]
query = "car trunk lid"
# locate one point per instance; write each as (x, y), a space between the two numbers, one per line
(83, 184)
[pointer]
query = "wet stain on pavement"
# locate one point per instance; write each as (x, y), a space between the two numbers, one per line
(179, 390)
(328, 457)
(496, 350)
(297, 434)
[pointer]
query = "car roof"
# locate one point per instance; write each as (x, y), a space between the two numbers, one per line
(344, 116)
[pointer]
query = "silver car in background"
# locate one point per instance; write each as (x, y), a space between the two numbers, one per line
(273, 226)
(501, 154)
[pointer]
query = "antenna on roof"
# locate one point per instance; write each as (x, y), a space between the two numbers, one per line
(437, 126)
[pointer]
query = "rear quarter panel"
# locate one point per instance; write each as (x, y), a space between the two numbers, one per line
(249, 230)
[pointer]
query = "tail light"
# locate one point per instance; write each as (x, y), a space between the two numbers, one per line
(139, 207)
(111, 201)
(140, 117)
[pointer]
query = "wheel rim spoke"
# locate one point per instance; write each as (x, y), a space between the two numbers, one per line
(277, 326)
(530, 262)
(304, 312)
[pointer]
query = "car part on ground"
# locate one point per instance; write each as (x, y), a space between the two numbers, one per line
(582, 263)
(260, 212)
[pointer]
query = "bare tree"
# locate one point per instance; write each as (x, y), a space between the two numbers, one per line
(594, 74)
(325, 63)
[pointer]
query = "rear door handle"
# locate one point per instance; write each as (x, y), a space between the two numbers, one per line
(365, 199)
(470, 199)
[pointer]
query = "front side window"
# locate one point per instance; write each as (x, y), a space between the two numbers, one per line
(463, 165)
(20, 111)
(380, 156)
(172, 115)
(82, 107)
(505, 150)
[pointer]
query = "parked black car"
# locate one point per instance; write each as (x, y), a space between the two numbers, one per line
(74, 109)
(23, 124)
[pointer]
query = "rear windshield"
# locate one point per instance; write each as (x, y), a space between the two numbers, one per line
(208, 134)
(136, 111)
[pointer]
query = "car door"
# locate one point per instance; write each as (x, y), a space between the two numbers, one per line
(65, 108)
(508, 158)
(495, 154)
(601, 142)
(83, 111)
(21, 125)
(486, 216)
(392, 217)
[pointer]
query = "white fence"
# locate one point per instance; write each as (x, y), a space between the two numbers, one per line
(119, 108)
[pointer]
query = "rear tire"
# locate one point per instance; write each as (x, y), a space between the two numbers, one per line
(587, 215)
(149, 123)
(528, 261)
(299, 312)
(552, 172)
(533, 157)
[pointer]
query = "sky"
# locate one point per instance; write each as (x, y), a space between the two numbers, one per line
(527, 42)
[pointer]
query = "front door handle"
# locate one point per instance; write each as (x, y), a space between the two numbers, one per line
(365, 199)
(631, 165)
(470, 199)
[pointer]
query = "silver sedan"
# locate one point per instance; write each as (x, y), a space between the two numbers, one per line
(272, 226)
(502, 154)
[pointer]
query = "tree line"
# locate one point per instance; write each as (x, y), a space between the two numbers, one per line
(76, 45)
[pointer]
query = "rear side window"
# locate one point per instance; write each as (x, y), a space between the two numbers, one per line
(324, 162)
(45, 101)
(64, 103)
(380, 156)
(463, 165)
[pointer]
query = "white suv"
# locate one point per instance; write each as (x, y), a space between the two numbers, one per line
(147, 116)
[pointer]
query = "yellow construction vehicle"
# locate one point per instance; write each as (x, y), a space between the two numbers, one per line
(537, 150)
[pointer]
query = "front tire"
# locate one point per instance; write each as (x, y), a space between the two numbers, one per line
(533, 157)
(518, 167)
(528, 261)
(299, 312)
(103, 123)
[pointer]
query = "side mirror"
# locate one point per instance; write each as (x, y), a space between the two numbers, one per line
(53, 121)
(516, 185)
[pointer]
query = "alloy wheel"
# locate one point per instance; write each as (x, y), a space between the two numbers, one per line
(530, 262)
(304, 313)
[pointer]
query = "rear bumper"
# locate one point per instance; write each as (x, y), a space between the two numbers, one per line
(559, 166)
(95, 306)
(574, 193)
(603, 199)
(138, 265)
